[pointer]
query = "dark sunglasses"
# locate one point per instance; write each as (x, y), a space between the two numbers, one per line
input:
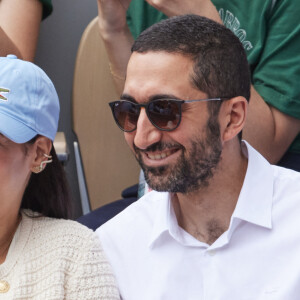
(164, 114)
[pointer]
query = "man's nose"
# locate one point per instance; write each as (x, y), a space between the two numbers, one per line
(146, 133)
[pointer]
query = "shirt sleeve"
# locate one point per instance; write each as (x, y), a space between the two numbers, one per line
(276, 77)
(141, 15)
(47, 8)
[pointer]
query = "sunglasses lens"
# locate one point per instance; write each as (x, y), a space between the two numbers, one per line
(165, 114)
(126, 115)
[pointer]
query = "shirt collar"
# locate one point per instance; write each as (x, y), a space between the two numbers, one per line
(255, 200)
(254, 203)
(161, 222)
(165, 224)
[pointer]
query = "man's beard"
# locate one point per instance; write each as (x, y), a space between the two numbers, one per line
(193, 169)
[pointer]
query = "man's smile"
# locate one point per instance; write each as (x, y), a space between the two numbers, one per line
(158, 154)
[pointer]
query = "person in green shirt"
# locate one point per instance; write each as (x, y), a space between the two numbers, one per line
(269, 31)
(19, 26)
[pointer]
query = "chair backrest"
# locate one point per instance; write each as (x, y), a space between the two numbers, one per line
(109, 165)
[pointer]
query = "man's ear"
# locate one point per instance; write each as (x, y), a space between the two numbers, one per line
(42, 147)
(234, 112)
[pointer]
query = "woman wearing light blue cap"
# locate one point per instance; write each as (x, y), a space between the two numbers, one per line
(42, 256)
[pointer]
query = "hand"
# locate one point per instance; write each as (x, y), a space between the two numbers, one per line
(178, 7)
(112, 15)
(172, 8)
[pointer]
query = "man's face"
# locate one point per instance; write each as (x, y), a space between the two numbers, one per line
(182, 160)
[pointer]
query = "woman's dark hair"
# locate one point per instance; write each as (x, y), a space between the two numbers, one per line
(48, 192)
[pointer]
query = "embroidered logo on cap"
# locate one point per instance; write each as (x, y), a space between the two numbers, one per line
(3, 90)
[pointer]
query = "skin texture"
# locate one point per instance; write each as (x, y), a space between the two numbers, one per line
(19, 27)
(17, 162)
(204, 211)
(267, 129)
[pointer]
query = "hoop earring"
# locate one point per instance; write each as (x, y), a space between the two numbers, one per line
(41, 167)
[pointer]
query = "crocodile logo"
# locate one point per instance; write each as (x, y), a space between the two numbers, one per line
(3, 90)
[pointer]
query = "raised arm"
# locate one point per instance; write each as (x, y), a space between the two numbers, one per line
(116, 36)
(19, 27)
(274, 111)
(269, 130)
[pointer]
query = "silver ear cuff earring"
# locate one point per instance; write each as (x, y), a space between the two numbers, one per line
(41, 167)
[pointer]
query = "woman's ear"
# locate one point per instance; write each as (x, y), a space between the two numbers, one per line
(42, 147)
(235, 111)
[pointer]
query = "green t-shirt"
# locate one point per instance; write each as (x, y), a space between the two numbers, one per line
(270, 33)
(47, 8)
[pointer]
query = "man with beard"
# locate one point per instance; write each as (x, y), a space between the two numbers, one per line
(221, 220)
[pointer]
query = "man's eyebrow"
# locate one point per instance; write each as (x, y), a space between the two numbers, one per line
(163, 96)
(152, 98)
(127, 97)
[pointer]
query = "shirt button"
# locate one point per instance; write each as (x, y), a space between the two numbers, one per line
(211, 252)
(4, 286)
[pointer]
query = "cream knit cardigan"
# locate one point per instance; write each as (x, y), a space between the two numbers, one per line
(51, 259)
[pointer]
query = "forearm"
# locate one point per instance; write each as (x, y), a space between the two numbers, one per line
(116, 36)
(20, 21)
(268, 130)
(7, 45)
(118, 48)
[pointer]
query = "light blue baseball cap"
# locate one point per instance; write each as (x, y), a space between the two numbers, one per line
(29, 103)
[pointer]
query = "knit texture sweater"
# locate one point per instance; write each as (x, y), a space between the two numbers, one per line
(51, 259)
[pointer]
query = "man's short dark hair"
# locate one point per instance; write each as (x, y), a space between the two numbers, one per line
(220, 63)
(221, 67)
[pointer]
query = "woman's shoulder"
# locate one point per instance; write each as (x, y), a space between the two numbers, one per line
(56, 246)
(60, 232)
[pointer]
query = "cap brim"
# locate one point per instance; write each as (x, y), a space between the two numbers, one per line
(15, 130)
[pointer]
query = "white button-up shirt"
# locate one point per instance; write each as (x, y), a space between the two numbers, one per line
(257, 258)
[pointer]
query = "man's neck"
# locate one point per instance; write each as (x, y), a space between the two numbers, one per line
(206, 213)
